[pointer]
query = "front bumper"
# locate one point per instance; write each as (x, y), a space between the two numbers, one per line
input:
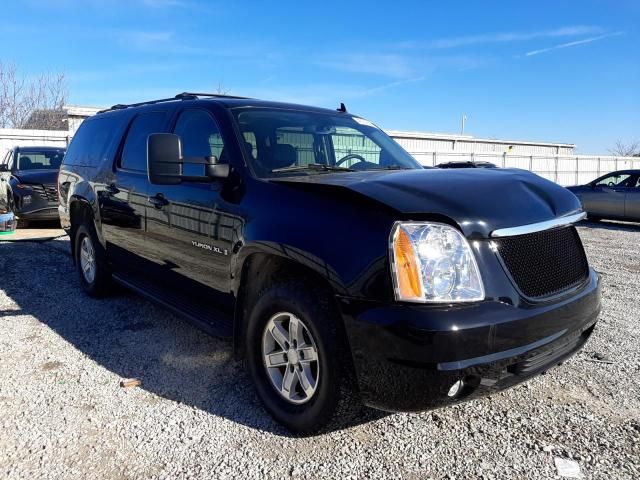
(407, 357)
(50, 213)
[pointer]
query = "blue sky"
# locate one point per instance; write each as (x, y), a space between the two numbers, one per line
(540, 70)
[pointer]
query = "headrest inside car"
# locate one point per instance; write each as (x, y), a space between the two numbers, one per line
(283, 155)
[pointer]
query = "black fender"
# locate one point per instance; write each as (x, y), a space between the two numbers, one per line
(77, 192)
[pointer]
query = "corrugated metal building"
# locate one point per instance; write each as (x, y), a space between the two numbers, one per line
(422, 145)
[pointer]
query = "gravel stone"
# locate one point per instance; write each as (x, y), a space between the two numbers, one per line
(63, 413)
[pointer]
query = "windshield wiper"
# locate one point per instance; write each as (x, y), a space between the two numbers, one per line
(388, 167)
(314, 167)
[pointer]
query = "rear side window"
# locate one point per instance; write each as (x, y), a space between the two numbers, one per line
(90, 144)
(134, 153)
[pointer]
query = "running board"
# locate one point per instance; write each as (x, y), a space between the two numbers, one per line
(210, 320)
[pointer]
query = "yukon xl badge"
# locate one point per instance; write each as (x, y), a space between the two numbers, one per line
(211, 248)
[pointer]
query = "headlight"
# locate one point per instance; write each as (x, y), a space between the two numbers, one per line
(433, 262)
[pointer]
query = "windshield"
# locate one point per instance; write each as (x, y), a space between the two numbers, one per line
(285, 142)
(40, 160)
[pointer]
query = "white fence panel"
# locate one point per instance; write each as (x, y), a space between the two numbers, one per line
(562, 169)
(13, 137)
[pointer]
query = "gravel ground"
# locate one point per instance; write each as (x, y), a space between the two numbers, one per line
(64, 415)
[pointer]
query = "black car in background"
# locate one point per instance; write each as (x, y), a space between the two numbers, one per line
(467, 164)
(29, 183)
(614, 196)
(343, 271)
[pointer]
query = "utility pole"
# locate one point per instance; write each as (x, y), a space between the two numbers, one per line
(464, 119)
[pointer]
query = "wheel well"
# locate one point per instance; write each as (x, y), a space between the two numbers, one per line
(260, 270)
(79, 212)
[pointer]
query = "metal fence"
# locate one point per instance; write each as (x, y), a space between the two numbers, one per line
(11, 137)
(562, 169)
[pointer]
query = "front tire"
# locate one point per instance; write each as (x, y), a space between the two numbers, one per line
(90, 262)
(298, 358)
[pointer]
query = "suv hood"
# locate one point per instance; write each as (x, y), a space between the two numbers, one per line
(478, 200)
(42, 177)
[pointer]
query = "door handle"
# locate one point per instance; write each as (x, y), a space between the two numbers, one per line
(112, 189)
(158, 201)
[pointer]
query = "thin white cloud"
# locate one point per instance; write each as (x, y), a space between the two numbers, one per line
(502, 37)
(144, 39)
(571, 44)
(327, 94)
(387, 86)
(388, 65)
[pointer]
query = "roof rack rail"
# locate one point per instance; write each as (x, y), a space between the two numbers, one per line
(180, 96)
(221, 95)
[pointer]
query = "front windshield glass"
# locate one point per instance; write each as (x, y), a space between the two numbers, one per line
(49, 160)
(285, 142)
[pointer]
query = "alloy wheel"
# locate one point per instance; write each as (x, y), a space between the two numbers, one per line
(290, 357)
(87, 259)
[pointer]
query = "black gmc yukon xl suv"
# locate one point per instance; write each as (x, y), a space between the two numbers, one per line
(343, 272)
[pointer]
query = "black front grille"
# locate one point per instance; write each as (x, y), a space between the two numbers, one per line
(545, 263)
(48, 192)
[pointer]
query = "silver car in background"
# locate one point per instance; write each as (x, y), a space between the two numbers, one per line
(613, 196)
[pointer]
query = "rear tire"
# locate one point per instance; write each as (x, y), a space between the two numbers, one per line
(90, 260)
(333, 400)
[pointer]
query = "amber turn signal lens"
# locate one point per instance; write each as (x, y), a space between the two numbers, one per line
(409, 286)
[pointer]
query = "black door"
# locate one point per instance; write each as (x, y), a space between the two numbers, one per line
(191, 229)
(123, 202)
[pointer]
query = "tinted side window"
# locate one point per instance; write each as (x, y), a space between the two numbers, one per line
(199, 133)
(134, 153)
(91, 142)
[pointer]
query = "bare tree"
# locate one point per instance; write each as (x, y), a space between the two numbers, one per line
(221, 89)
(626, 149)
(31, 102)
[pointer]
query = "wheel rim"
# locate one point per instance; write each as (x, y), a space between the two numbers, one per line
(290, 357)
(87, 259)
